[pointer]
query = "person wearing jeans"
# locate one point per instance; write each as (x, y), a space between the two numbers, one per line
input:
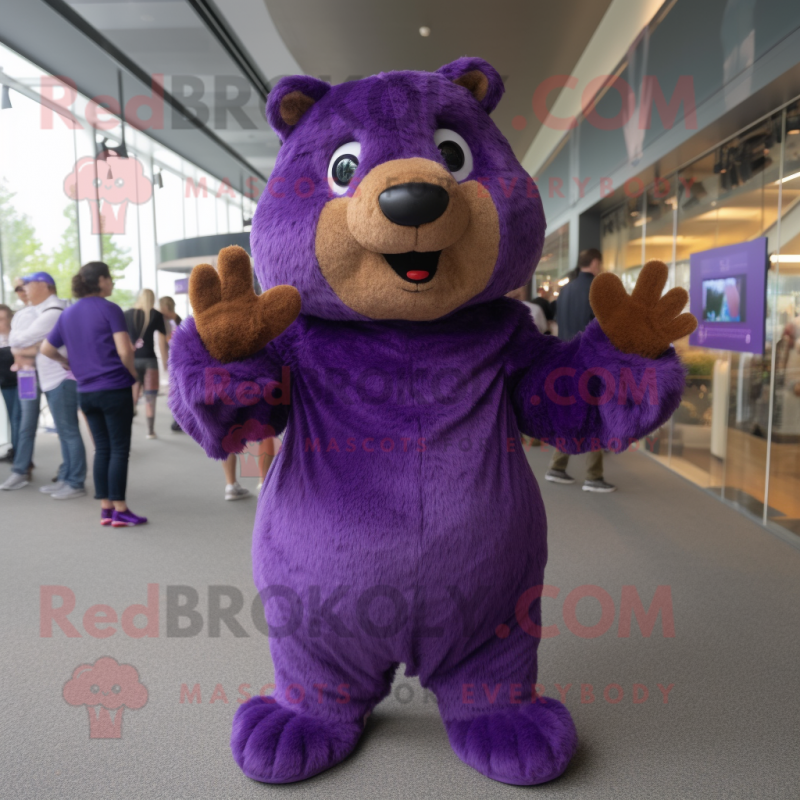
(23, 452)
(110, 415)
(44, 311)
(63, 402)
(100, 355)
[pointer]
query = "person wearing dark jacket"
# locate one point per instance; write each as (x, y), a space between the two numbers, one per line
(573, 314)
(8, 381)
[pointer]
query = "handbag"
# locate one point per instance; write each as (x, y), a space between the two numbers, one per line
(26, 384)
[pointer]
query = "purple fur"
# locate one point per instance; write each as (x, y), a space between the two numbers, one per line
(276, 745)
(400, 522)
(461, 66)
(545, 721)
(201, 385)
(608, 400)
(311, 87)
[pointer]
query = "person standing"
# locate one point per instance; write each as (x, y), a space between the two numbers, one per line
(573, 314)
(100, 355)
(28, 409)
(548, 308)
(537, 315)
(59, 387)
(143, 321)
(167, 307)
(8, 380)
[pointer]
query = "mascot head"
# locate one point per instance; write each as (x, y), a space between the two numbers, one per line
(395, 196)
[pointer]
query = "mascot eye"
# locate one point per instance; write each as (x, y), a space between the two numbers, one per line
(453, 155)
(342, 167)
(116, 688)
(119, 182)
(94, 689)
(455, 152)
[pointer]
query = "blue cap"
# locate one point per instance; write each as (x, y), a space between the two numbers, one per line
(44, 277)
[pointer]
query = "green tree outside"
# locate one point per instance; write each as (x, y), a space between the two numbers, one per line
(118, 258)
(22, 252)
(20, 248)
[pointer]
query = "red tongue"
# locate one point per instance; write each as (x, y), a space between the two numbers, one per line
(417, 275)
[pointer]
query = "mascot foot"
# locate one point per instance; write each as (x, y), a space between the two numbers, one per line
(523, 745)
(273, 744)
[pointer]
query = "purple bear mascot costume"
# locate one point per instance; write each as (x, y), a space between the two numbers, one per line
(401, 522)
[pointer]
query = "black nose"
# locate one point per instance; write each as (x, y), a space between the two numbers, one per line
(414, 204)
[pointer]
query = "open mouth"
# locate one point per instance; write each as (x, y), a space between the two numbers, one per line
(414, 267)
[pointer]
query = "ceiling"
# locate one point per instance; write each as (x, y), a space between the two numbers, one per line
(338, 40)
(169, 38)
(525, 40)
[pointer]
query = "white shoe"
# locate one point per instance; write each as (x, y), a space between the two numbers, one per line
(53, 487)
(68, 493)
(258, 488)
(14, 481)
(152, 436)
(599, 486)
(235, 492)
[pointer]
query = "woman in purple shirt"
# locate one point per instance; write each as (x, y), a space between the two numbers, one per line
(100, 355)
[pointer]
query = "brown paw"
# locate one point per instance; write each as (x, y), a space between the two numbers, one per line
(643, 322)
(232, 320)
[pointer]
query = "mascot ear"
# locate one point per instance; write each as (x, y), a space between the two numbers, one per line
(478, 77)
(289, 100)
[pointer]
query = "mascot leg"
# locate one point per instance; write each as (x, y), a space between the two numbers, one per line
(316, 716)
(493, 718)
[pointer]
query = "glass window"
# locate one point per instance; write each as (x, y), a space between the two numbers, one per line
(207, 206)
(38, 218)
(783, 318)
(554, 262)
(737, 430)
(168, 196)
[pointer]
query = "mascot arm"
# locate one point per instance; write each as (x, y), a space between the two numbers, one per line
(229, 380)
(618, 380)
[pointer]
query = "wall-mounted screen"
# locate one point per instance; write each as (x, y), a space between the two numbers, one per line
(728, 296)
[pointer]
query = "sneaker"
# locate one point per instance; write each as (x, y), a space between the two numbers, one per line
(105, 515)
(53, 487)
(235, 492)
(558, 476)
(126, 519)
(258, 488)
(598, 486)
(15, 481)
(152, 436)
(8, 458)
(69, 493)
(176, 428)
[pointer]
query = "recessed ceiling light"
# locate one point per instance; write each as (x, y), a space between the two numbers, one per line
(424, 31)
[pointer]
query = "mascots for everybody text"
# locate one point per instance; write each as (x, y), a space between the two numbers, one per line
(401, 522)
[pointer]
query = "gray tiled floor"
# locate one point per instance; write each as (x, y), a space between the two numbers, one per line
(730, 728)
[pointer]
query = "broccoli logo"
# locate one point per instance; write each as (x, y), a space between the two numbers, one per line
(106, 688)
